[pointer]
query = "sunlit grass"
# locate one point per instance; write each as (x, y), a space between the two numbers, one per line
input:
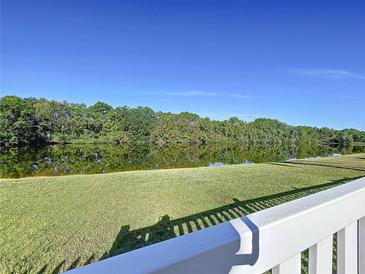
(50, 224)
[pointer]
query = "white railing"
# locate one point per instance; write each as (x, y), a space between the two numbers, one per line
(269, 239)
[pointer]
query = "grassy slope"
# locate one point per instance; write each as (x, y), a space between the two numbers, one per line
(55, 223)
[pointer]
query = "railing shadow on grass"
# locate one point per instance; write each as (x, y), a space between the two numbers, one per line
(61, 265)
(167, 228)
(300, 162)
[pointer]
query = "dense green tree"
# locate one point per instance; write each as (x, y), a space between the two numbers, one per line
(41, 121)
(19, 123)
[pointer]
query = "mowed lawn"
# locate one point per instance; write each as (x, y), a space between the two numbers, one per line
(51, 224)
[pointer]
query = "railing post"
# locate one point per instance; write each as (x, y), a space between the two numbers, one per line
(347, 249)
(361, 227)
(320, 257)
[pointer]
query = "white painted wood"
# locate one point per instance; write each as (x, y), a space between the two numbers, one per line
(320, 257)
(298, 225)
(347, 249)
(246, 238)
(273, 235)
(290, 266)
(361, 226)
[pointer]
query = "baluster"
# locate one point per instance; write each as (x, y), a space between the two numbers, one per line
(320, 257)
(290, 266)
(347, 249)
(362, 246)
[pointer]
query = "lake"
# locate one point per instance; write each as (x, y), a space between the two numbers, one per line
(90, 158)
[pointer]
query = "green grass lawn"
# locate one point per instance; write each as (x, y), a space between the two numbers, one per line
(51, 224)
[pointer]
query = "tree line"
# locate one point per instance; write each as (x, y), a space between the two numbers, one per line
(31, 121)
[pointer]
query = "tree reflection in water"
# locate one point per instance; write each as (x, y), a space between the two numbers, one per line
(102, 158)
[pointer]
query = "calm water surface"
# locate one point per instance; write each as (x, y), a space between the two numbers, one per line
(89, 159)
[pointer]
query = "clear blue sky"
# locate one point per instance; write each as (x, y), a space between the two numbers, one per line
(302, 61)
